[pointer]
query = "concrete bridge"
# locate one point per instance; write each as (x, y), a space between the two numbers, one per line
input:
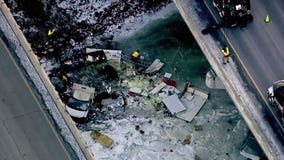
(257, 60)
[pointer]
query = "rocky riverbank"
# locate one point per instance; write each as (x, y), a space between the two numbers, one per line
(77, 24)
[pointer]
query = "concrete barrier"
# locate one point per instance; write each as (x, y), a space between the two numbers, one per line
(29, 61)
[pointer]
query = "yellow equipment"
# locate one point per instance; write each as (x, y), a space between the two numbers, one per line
(135, 54)
(102, 138)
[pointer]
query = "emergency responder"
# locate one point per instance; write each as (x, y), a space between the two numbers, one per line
(135, 55)
(50, 31)
(226, 54)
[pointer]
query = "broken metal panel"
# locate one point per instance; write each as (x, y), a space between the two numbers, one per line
(193, 100)
(158, 88)
(173, 104)
(83, 93)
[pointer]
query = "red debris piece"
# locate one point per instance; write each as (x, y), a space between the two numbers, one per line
(169, 82)
(132, 94)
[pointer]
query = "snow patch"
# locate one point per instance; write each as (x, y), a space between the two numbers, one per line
(157, 142)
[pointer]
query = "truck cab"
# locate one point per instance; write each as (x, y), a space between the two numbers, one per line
(78, 105)
(276, 97)
(234, 12)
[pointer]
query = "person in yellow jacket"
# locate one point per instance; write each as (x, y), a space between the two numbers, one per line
(135, 55)
(226, 54)
(50, 31)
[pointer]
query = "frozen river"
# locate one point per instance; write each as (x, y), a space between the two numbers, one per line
(218, 130)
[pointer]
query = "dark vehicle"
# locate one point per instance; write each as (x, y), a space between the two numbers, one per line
(275, 113)
(234, 12)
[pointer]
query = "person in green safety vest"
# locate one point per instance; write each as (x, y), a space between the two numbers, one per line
(226, 54)
(50, 31)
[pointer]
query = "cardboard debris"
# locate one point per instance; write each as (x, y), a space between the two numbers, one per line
(154, 67)
(102, 138)
(193, 100)
(135, 90)
(158, 88)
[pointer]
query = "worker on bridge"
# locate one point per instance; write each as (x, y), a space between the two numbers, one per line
(226, 54)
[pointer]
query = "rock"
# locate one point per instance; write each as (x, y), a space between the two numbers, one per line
(187, 140)
(198, 128)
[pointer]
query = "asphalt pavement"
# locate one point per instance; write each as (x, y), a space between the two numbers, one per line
(26, 132)
(260, 45)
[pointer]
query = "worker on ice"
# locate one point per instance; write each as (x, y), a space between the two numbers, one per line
(135, 55)
(226, 54)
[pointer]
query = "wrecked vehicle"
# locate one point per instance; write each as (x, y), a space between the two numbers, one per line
(79, 103)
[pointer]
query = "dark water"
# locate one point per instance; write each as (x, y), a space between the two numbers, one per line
(171, 41)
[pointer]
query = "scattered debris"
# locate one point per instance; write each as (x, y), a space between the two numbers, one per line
(187, 139)
(174, 104)
(102, 138)
(154, 67)
(193, 99)
(198, 128)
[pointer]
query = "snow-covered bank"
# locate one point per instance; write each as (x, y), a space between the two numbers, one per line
(158, 141)
(136, 24)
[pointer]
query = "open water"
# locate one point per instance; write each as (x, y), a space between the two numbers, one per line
(171, 41)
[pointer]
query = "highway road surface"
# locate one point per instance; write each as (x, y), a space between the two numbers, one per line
(25, 131)
(260, 46)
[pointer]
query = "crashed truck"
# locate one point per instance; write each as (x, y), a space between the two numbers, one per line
(275, 113)
(78, 105)
(234, 12)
